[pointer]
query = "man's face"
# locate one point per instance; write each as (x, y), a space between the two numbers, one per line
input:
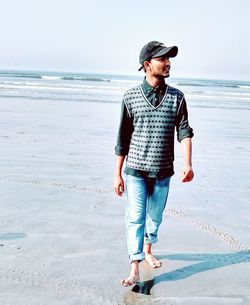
(159, 66)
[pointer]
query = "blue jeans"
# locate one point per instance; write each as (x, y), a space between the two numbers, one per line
(146, 200)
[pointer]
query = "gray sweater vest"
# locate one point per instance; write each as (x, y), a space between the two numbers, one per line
(152, 141)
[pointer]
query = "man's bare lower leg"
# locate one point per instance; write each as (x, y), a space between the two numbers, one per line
(133, 276)
(149, 258)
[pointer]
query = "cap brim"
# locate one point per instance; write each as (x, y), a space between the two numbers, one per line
(170, 51)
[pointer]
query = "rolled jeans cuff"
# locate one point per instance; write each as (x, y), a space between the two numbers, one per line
(151, 240)
(137, 257)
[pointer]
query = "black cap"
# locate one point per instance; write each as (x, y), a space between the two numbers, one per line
(156, 49)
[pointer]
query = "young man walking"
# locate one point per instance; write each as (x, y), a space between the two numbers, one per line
(151, 112)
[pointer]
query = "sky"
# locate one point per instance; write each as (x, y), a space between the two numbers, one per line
(106, 36)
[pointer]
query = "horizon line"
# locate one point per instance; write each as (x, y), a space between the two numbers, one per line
(118, 74)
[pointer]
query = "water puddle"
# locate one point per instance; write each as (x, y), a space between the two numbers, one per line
(10, 236)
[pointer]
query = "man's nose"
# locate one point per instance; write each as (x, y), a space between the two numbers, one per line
(167, 60)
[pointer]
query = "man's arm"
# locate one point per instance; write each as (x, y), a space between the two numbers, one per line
(187, 173)
(122, 147)
(118, 181)
(124, 132)
(184, 136)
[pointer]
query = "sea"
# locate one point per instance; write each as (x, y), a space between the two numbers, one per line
(109, 88)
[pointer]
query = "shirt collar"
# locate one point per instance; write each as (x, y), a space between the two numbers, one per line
(148, 89)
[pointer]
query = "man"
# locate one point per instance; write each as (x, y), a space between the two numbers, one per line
(150, 114)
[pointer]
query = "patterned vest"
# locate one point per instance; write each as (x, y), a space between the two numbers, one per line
(152, 142)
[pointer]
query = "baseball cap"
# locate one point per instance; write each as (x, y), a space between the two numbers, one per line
(155, 49)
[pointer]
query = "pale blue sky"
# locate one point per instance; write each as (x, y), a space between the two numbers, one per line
(106, 35)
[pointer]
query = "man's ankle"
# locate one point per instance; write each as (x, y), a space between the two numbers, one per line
(135, 267)
(147, 248)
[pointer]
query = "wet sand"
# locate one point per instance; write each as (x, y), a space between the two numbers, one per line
(62, 238)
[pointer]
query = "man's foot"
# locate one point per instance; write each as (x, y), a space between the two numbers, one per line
(152, 261)
(131, 280)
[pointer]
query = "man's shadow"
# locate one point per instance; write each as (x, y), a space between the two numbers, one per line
(206, 262)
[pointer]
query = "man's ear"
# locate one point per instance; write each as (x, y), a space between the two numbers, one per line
(146, 65)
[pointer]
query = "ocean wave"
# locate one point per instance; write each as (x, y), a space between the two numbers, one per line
(51, 77)
(77, 78)
(126, 81)
(60, 86)
(189, 84)
(92, 79)
(208, 84)
(244, 86)
(55, 77)
(27, 76)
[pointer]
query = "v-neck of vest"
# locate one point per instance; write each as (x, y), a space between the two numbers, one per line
(161, 102)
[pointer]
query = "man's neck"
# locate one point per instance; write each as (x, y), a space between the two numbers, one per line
(155, 81)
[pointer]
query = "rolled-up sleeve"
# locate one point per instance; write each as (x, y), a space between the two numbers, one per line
(124, 132)
(182, 125)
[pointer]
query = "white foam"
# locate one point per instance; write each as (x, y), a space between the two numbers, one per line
(51, 77)
(244, 86)
(60, 87)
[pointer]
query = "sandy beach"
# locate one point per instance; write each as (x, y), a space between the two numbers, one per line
(62, 238)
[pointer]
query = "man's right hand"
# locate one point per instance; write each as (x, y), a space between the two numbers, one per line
(119, 186)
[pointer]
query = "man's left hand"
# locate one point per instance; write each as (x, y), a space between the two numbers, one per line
(187, 174)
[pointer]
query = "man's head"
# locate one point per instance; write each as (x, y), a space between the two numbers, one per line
(155, 50)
